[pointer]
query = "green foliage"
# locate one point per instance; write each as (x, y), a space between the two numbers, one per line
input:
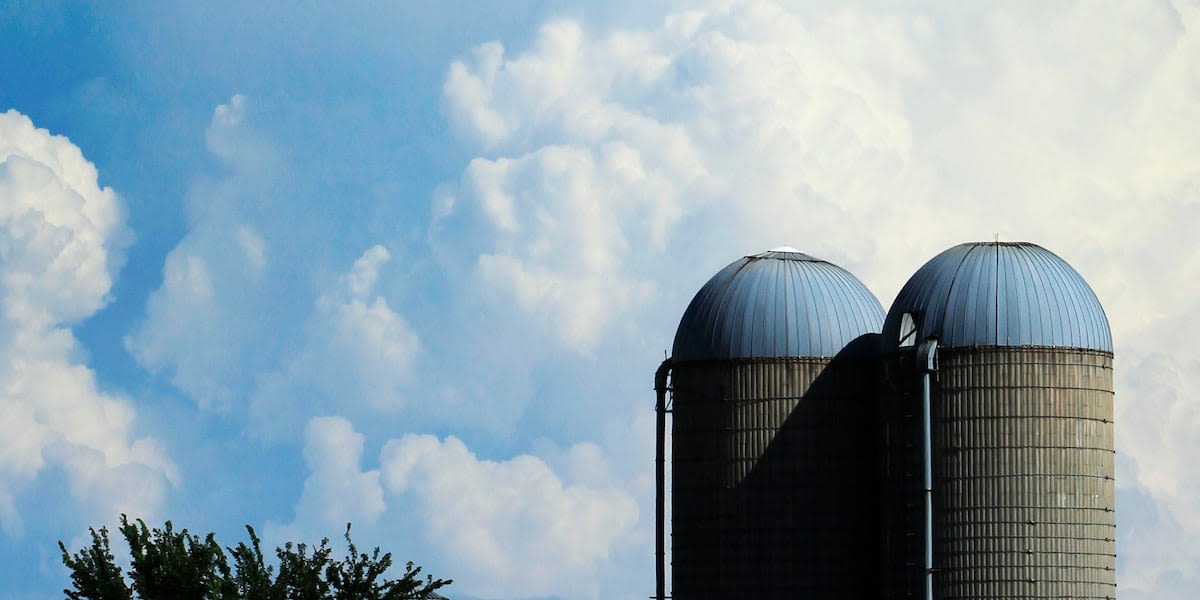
(170, 565)
(93, 572)
(253, 578)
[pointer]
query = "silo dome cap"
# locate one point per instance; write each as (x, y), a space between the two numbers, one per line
(779, 303)
(998, 294)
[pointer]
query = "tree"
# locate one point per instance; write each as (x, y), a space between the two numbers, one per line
(175, 565)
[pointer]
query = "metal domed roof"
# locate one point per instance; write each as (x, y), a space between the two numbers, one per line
(776, 304)
(1000, 294)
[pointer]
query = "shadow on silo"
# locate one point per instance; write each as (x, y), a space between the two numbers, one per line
(796, 510)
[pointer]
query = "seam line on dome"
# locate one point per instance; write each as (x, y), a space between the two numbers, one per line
(950, 288)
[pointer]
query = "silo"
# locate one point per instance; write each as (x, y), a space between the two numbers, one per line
(1017, 380)
(773, 375)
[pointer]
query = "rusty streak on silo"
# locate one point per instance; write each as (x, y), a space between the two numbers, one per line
(773, 488)
(1022, 429)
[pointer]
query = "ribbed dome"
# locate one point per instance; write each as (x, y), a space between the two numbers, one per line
(1000, 294)
(776, 304)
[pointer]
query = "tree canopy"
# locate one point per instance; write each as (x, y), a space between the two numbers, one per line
(176, 565)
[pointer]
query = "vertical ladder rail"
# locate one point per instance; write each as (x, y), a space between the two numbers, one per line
(660, 473)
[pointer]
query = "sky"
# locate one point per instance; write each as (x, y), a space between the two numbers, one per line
(413, 266)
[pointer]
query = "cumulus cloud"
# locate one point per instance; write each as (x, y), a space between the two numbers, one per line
(237, 325)
(206, 325)
(616, 170)
(716, 123)
(746, 125)
(502, 528)
(358, 355)
(61, 240)
(336, 491)
(514, 526)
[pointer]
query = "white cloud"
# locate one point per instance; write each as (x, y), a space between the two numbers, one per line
(231, 138)
(60, 227)
(470, 95)
(253, 246)
(336, 491)
(61, 238)
(514, 527)
(364, 274)
(1155, 418)
(715, 123)
(499, 528)
(206, 326)
(358, 355)
(236, 324)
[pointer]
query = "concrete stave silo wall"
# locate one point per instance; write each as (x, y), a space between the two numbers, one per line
(772, 495)
(1024, 494)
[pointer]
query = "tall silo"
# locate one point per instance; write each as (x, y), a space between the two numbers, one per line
(1003, 354)
(773, 375)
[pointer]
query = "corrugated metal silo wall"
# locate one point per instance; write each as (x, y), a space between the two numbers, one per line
(773, 487)
(1023, 475)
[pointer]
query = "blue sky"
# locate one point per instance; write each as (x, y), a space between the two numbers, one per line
(414, 267)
